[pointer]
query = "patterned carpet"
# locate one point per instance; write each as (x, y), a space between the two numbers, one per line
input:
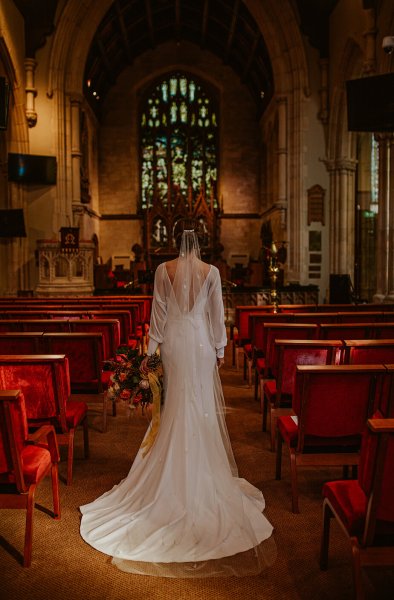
(64, 567)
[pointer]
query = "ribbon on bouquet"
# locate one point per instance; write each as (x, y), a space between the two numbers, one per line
(155, 422)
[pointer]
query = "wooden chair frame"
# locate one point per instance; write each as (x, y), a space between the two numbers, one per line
(22, 496)
(296, 454)
(65, 435)
(364, 553)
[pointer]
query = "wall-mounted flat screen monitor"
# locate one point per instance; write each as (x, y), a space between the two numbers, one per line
(12, 223)
(370, 103)
(30, 168)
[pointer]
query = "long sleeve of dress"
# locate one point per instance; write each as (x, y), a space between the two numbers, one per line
(159, 312)
(216, 313)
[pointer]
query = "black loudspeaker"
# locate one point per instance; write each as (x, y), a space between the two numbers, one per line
(4, 99)
(29, 168)
(12, 223)
(341, 290)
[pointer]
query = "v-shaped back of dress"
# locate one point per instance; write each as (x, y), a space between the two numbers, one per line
(187, 287)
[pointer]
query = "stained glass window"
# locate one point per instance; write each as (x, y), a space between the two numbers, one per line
(179, 129)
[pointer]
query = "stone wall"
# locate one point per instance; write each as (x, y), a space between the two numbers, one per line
(119, 148)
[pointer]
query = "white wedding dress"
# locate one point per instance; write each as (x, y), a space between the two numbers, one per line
(182, 511)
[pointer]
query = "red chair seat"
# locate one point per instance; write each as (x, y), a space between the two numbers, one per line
(248, 349)
(260, 365)
(349, 502)
(270, 389)
(105, 378)
(289, 431)
(35, 461)
(75, 412)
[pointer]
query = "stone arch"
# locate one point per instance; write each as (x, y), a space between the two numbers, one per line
(75, 28)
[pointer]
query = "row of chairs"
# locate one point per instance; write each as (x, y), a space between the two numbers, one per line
(139, 306)
(44, 381)
(258, 355)
(249, 332)
(277, 380)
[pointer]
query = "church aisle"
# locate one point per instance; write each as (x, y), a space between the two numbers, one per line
(64, 567)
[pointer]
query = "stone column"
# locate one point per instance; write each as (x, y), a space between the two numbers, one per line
(76, 154)
(31, 92)
(369, 66)
(342, 219)
(281, 202)
(385, 221)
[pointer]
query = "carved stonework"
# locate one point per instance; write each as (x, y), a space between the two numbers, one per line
(63, 275)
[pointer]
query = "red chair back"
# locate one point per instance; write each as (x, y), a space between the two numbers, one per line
(288, 331)
(84, 352)
(336, 401)
(13, 435)
(45, 383)
(368, 352)
(20, 343)
(346, 331)
(292, 352)
(375, 475)
(257, 327)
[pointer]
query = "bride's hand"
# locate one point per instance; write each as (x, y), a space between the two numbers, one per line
(220, 362)
(144, 365)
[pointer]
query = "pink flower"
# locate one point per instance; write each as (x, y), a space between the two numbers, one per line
(125, 395)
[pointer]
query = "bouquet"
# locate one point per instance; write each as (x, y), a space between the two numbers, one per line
(129, 383)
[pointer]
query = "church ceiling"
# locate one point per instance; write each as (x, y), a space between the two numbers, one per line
(224, 27)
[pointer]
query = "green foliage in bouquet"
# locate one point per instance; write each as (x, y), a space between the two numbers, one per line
(128, 382)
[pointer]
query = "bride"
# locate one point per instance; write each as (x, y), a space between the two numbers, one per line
(182, 511)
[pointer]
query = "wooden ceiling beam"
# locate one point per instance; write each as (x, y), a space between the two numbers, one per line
(104, 58)
(148, 8)
(251, 56)
(123, 33)
(204, 23)
(178, 19)
(231, 32)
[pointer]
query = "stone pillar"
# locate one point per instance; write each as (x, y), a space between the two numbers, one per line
(281, 202)
(75, 102)
(31, 92)
(385, 221)
(369, 66)
(342, 215)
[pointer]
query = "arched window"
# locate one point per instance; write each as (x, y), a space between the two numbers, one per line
(179, 128)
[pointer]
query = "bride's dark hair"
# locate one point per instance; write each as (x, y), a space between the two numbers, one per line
(190, 224)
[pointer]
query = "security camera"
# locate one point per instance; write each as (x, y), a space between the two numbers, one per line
(388, 44)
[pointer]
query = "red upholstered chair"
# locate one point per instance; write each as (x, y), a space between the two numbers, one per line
(110, 329)
(272, 332)
(20, 342)
(45, 383)
(368, 352)
(331, 405)
(85, 352)
(346, 331)
(364, 508)
(258, 324)
(290, 353)
(24, 462)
